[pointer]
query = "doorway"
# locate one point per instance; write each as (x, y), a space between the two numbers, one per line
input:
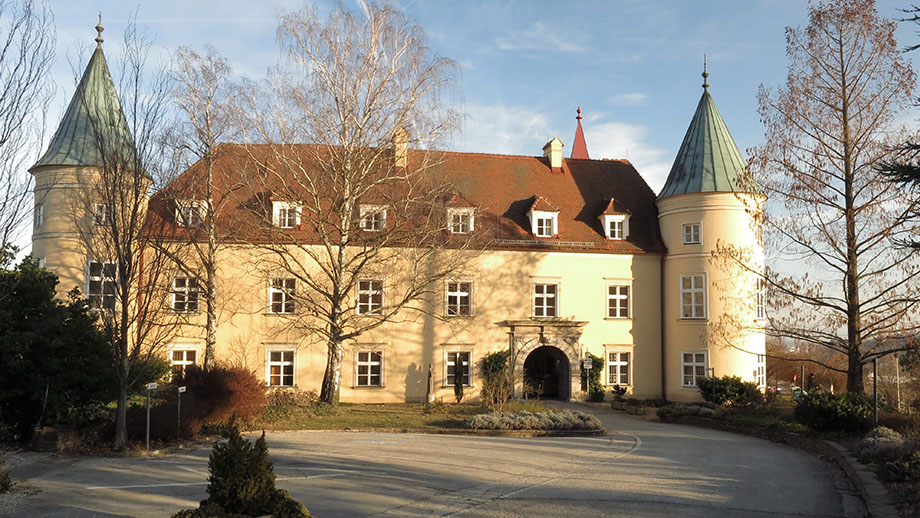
(546, 373)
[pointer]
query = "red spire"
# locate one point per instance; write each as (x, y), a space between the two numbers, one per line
(579, 148)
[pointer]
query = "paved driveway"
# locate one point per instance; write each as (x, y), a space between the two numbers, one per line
(641, 468)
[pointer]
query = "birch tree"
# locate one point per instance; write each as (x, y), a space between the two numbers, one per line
(831, 216)
(369, 100)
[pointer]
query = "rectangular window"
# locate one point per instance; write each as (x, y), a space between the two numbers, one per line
(370, 297)
(281, 296)
(760, 375)
(459, 301)
(615, 229)
(618, 368)
(694, 365)
(288, 216)
(461, 221)
(452, 359)
(691, 233)
(760, 307)
(693, 296)
(546, 226)
(100, 214)
(373, 218)
(617, 301)
(280, 368)
(545, 301)
(180, 359)
(39, 215)
(189, 213)
(185, 295)
(101, 285)
(370, 369)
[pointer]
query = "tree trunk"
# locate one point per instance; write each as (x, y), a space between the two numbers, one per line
(855, 374)
(333, 375)
(121, 410)
(210, 340)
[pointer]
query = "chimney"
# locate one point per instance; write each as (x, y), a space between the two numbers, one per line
(401, 147)
(553, 151)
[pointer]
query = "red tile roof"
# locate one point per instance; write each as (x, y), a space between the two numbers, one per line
(502, 188)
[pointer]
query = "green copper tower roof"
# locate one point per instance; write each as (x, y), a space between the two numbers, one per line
(94, 124)
(708, 160)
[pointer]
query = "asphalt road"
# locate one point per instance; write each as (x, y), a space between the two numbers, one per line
(641, 468)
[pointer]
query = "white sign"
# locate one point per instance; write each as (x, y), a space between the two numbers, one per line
(151, 386)
(588, 363)
(181, 389)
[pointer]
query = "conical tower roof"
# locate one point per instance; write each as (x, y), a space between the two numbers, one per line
(94, 124)
(708, 159)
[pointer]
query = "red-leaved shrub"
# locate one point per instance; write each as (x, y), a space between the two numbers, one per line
(211, 397)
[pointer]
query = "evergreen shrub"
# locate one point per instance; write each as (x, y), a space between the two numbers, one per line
(730, 390)
(824, 411)
(591, 380)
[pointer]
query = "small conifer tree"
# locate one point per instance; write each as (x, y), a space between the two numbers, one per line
(458, 379)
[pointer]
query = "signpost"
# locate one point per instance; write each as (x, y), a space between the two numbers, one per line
(179, 412)
(587, 364)
(150, 386)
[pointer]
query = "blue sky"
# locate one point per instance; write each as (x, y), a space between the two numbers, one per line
(633, 66)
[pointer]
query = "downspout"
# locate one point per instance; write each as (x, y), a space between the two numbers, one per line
(664, 358)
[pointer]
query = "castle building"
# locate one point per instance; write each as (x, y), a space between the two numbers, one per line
(575, 256)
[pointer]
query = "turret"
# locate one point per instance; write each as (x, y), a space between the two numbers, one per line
(708, 212)
(92, 135)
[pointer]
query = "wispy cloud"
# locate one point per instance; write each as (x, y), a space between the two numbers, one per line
(630, 141)
(540, 37)
(498, 128)
(628, 99)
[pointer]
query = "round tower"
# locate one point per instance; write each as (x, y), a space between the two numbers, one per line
(67, 177)
(712, 305)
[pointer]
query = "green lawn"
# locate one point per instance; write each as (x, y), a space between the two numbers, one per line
(347, 416)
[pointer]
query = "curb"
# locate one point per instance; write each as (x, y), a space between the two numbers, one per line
(872, 492)
(462, 431)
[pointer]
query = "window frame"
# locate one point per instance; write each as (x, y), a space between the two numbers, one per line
(283, 364)
(282, 214)
(184, 362)
(369, 222)
(760, 371)
(468, 374)
(287, 303)
(694, 364)
(184, 211)
(104, 280)
(189, 293)
(610, 219)
(38, 216)
(100, 214)
(458, 227)
(539, 229)
(692, 291)
(545, 297)
(760, 299)
(608, 298)
(619, 363)
(370, 364)
(458, 293)
(371, 309)
(695, 234)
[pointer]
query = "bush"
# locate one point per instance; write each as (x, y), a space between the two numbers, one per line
(496, 383)
(561, 420)
(5, 483)
(881, 444)
(904, 468)
(730, 390)
(242, 480)
(211, 397)
(824, 411)
(591, 380)
(284, 403)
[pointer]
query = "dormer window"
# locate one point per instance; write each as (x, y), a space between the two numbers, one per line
(285, 214)
(189, 213)
(616, 226)
(373, 217)
(460, 221)
(544, 224)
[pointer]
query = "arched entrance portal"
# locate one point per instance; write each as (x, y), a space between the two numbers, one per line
(546, 373)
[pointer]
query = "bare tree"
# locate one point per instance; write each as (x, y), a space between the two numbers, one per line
(26, 53)
(127, 268)
(205, 97)
(359, 205)
(829, 210)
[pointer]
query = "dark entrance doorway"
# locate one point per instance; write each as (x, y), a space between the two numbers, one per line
(546, 373)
